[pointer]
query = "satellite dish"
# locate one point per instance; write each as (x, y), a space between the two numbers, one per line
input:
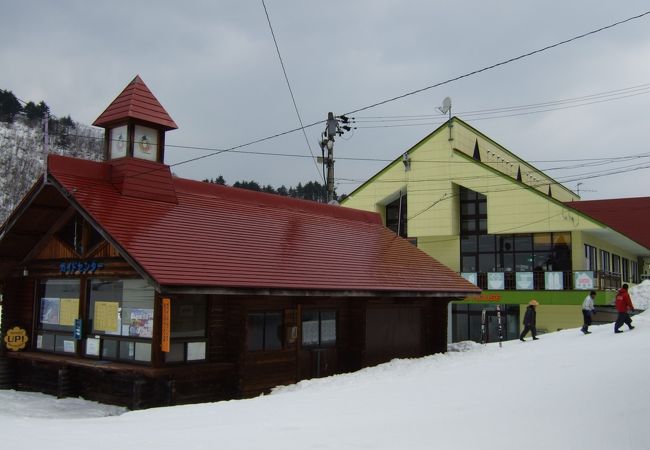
(446, 105)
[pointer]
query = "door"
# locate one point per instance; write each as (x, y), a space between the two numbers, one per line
(318, 353)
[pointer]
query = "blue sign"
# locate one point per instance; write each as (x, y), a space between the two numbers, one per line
(81, 267)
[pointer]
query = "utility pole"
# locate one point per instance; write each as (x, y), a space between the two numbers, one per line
(336, 125)
(46, 142)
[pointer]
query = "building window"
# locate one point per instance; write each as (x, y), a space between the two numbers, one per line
(616, 264)
(477, 247)
(396, 216)
(121, 320)
(483, 252)
(604, 261)
(466, 322)
(58, 310)
(318, 328)
(634, 271)
(264, 331)
(188, 329)
(625, 269)
(590, 257)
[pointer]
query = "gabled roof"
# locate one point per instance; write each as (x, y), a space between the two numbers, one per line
(136, 102)
(628, 216)
(218, 236)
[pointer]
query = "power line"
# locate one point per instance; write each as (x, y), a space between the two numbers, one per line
(293, 99)
(466, 75)
(397, 118)
(507, 61)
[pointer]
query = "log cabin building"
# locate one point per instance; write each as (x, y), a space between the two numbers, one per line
(127, 285)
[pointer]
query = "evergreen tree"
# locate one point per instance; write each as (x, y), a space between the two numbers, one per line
(62, 129)
(282, 190)
(34, 112)
(9, 106)
(250, 185)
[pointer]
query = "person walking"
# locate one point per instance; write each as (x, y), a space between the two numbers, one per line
(623, 307)
(588, 311)
(530, 320)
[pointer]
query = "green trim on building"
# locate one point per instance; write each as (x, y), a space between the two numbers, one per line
(543, 297)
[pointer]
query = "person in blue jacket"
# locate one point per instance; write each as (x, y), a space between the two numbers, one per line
(530, 319)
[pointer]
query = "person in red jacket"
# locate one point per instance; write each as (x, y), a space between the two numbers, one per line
(623, 306)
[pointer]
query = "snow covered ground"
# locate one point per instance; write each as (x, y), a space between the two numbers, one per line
(564, 391)
(640, 295)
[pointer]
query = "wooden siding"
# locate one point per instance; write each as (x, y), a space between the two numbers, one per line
(230, 369)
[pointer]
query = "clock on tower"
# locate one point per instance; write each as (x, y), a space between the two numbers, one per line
(135, 124)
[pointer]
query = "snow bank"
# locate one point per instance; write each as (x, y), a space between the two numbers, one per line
(566, 391)
(640, 295)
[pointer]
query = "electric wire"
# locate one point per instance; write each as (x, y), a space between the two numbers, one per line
(293, 99)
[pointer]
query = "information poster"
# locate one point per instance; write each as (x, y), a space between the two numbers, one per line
(141, 323)
(69, 311)
(496, 280)
(524, 280)
(92, 346)
(50, 310)
(471, 277)
(553, 281)
(106, 317)
(583, 280)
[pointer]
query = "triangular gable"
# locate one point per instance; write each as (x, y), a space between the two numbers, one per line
(136, 102)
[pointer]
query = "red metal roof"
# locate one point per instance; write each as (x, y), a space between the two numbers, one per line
(218, 236)
(628, 216)
(136, 102)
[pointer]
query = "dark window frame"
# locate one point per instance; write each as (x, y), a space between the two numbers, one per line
(509, 252)
(320, 343)
(396, 214)
(266, 344)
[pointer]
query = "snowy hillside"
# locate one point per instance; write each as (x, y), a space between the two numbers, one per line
(565, 391)
(21, 156)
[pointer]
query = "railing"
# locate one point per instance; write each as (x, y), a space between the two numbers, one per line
(602, 280)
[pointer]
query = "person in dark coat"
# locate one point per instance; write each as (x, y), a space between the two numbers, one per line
(623, 307)
(530, 319)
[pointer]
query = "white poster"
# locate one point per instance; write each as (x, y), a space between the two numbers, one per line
(583, 280)
(195, 351)
(524, 281)
(553, 281)
(470, 276)
(496, 280)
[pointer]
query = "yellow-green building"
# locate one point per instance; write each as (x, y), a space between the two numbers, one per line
(509, 228)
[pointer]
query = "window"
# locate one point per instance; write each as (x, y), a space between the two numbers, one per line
(604, 261)
(188, 329)
(58, 309)
(121, 320)
(264, 331)
(466, 322)
(634, 271)
(396, 216)
(318, 328)
(616, 263)
(483, 252)
(590, 258)
(625, 270)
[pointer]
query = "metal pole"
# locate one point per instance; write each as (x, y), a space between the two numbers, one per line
(330, 172)
(46, 143)
(500, 328)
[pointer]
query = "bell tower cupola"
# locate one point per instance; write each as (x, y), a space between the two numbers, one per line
(135, 124)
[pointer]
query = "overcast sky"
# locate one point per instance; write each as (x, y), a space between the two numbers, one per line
(214, 67)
